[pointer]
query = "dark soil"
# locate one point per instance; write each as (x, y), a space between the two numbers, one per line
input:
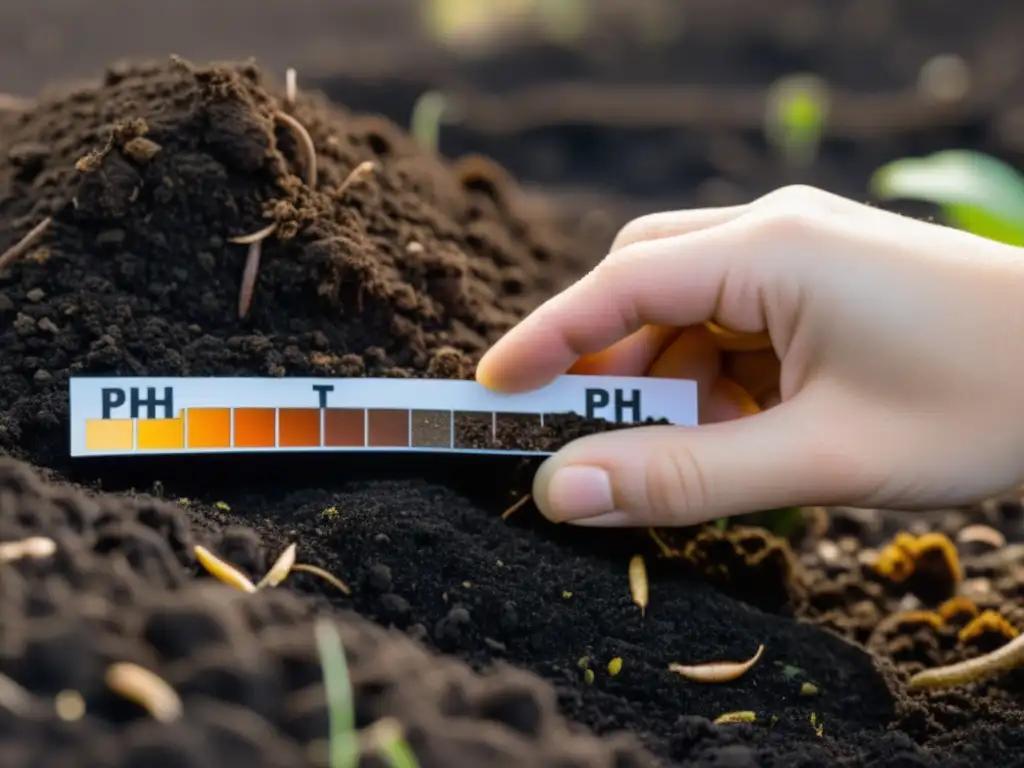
(137, 278)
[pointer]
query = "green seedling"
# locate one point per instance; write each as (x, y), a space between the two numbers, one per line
(975, 192)
(795, 114)
(385, 736)
(425, 123)
(344, 741)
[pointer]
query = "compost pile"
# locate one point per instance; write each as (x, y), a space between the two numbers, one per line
(411, 269)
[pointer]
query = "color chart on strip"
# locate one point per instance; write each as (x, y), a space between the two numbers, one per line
(146, 416)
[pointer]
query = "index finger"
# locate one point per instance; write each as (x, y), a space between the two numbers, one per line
(669, 281)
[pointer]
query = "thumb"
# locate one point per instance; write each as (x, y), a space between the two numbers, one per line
(678, 476)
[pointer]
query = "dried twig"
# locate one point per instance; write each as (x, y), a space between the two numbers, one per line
(1002, 659)
(145, 688)
(716, 671)
(36, 547)
(22, 247)
(305, 144)
(515, 507)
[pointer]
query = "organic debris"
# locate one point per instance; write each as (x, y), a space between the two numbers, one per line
(716, 671)
(515, 507)
(282, 568)
(34, 547)
(730, 718)
(148, 690)
(638, 582)
(927, 565)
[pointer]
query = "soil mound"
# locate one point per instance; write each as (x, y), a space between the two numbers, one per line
(246, 668)
(409, 267)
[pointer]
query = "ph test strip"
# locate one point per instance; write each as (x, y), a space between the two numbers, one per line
(163, 415)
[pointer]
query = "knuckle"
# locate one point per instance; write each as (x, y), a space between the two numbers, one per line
(633, 232)
(675, 483)
(794, 195)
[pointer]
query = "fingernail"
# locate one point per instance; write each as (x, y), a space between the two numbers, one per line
(579, 492)
(616, 519)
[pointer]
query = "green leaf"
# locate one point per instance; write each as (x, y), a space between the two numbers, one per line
(976, 192)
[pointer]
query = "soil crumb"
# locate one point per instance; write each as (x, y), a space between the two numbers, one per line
(410, 270)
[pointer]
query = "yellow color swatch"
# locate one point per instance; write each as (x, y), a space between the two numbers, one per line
(108, 434)
(161, 434)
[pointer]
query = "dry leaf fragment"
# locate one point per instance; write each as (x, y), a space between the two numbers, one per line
(745, 716)
(280, 569)
(716, 671)
(145, 688)
(222, 571)
(638, 582)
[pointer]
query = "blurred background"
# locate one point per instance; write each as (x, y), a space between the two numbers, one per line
(603, 109)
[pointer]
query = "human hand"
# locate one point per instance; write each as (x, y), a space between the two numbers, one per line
(894, 377)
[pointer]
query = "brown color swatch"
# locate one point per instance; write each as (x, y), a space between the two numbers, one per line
(345, 427)
(388, 428)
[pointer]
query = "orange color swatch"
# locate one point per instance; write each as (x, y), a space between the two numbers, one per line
(255, 427)
(298, 427)
(209, 427)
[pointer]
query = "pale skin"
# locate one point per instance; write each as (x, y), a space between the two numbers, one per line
(894, 377)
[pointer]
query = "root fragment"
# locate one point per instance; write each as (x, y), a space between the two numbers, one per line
(250, 272)
(1003, 659)
(255, 237)
(145, 688)
(516, 507)
(23, 246)
(360, 173)
(327, 576)
(36, 547)
(716, 671)
(251, 269)
(305, 143)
